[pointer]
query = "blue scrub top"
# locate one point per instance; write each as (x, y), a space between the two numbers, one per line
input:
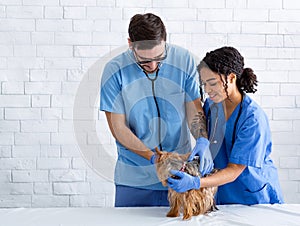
(259, 182)
(125, 89)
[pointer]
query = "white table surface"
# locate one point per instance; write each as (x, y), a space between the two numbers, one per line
(286, 214)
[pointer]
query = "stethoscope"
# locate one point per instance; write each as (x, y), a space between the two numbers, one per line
(212, 138)
(153, 79)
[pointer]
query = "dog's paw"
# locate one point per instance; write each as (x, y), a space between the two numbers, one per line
(172, 214)
(186, 217)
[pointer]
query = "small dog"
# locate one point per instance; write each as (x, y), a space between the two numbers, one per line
(192, 202)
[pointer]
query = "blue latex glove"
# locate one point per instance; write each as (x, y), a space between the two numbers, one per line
(184, 182)
(202, 150)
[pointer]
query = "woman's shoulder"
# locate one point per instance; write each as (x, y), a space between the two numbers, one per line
(250, 104)
(253, 110)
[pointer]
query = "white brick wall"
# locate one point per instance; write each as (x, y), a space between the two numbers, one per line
(48, 46)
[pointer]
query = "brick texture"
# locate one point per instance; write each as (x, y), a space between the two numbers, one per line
(51, 52)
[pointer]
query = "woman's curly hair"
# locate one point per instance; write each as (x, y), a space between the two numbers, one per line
(226, 60)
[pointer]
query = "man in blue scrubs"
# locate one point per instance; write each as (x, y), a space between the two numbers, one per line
(239, 134)
(150, 96)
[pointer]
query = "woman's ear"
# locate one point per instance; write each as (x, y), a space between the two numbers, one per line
(231, 77)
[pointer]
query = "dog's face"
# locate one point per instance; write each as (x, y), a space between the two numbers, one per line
(167, 161)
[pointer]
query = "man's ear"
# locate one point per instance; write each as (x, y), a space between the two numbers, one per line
(129, 43)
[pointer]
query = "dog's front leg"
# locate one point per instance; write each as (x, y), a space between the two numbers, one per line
(175, 204)
(187, 207)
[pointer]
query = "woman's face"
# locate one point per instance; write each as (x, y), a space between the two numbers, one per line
(213, 85)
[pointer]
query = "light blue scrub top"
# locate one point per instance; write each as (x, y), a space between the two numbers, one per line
(125, 89)
(259, 182)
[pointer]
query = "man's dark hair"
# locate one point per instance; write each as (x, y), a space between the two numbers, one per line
(146, 31)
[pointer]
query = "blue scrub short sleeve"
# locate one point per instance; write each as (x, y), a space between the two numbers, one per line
(110, 90)
(192, 81)
(252, 142)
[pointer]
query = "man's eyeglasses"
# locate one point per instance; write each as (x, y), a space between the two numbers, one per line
(146, 61)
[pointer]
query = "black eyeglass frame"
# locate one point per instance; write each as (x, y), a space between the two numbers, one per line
(151, 60)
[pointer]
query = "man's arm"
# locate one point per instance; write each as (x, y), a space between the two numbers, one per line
(196, 119)
(119, 129)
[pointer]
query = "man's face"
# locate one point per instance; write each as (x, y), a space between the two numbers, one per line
(149, 59)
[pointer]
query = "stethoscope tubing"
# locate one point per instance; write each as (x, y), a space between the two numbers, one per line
(156, 103)
(212, 136)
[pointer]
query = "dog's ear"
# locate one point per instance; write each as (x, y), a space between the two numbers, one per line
(186, 156)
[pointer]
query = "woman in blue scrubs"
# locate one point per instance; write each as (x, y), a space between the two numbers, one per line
(239, 134)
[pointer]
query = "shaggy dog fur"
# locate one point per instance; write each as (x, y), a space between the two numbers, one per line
(192, 202)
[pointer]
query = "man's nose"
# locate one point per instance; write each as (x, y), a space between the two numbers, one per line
(152, 64)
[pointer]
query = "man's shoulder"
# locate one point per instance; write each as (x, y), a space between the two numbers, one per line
(119, 59)
(178, 49)
(180, 56)
(119, 62)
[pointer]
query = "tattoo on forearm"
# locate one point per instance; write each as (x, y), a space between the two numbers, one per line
(198, 126)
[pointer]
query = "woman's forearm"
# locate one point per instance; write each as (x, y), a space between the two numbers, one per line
(223, 176)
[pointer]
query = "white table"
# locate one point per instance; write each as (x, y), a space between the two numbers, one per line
(286, 214)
